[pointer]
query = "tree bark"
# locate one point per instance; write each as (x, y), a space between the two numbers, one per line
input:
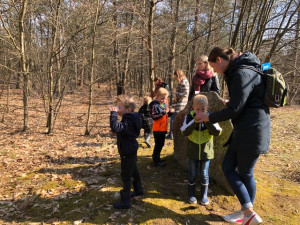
(52, 56)
(171, 69)
(23, 63)
(91, 91)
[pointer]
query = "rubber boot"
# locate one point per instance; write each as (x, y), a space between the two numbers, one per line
(137, 189)
(204, 199)
(170, 136)
(191, 190)
(125, 201)
(147, 140)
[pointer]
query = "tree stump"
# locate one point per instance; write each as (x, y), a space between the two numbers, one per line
(181, 142)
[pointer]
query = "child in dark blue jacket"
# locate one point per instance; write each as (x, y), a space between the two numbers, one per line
(127, 130)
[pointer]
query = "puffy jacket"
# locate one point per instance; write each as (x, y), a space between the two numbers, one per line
(159, 116)
(249, 116)
(128, 129)
(200, 137)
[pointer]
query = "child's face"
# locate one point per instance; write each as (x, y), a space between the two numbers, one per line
(199, 108)
(122, 110)
(201, 65)
(161, 98)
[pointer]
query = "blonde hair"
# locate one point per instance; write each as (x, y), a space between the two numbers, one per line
(204, 58)
(127, 101)
(200, 99)
(179, 73)
(162, 91)
(147, 100)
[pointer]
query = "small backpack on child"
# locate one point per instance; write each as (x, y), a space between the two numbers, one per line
(276, 87)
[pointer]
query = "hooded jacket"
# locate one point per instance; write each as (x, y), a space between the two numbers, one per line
(246, 109)
(128, 129)
(159, 116)
(200, 135)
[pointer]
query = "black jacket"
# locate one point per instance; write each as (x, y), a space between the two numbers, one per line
(249, 116)
(128, 129)
(145, 113)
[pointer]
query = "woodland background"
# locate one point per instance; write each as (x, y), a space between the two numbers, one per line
(62, 62)
(52, 48)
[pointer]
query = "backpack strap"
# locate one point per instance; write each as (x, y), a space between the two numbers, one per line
(252, 68)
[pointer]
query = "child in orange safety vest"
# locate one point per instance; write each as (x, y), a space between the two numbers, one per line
(160, 113)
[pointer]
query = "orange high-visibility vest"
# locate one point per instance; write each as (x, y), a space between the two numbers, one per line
(161, 124)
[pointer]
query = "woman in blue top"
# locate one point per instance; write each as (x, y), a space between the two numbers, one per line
(251, 126)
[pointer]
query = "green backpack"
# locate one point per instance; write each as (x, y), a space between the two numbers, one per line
(276, 87)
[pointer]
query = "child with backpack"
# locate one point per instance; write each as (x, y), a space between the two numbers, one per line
(160, 113)
(200, 150)
(147, 121)
(127, 130)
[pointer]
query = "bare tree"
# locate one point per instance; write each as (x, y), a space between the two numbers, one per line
(21, 49)
(91, 84)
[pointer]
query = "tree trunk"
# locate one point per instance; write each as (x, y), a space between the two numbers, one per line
(238, 25)
(195, 34)
(294, 89)
(210, 28)
(171, 68)
(23, 63)
(91, 91)
(150, 49)
(52, 53)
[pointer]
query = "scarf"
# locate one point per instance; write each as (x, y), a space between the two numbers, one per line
(200, 77)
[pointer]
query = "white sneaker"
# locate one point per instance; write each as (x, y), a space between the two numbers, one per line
(236, 217)
(254, 219)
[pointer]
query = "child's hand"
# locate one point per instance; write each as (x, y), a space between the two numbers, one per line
(113, 109)
(167, 109)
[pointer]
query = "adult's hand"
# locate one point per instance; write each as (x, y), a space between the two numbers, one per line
(202, 117)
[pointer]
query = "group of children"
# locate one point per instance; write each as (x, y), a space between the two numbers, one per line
(153, 117)
(200, 136)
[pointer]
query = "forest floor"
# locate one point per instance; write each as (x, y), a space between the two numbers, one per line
(69, 178)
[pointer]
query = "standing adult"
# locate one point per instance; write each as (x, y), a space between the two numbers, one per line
(158, 84)
(201, 81)
(181, 96)
(251, 126)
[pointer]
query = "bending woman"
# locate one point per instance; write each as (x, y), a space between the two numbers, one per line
(251, 126)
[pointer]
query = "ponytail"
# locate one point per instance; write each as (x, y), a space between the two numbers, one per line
(227, 54)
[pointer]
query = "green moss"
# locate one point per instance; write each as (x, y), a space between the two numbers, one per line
(50, 185)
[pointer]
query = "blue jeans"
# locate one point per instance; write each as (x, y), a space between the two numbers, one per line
(238, 170)
(204, 167)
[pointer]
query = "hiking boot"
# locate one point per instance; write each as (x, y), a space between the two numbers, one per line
(162, 160)
(236, 217)
(254, 219)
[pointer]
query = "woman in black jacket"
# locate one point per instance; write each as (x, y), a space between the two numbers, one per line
(251, 123)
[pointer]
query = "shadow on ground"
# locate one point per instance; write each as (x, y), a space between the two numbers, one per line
(164, 200)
